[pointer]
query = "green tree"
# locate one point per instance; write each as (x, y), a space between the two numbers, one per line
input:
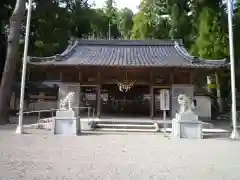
(111, 13)
(99, 23)
(11, 59)
(81, 16)
(6, 7)
(195, 9)
(51, 18)
(180, 26)
(125, 22)
(236, 33)
(152, 21)
(141, 28)
(212, 41)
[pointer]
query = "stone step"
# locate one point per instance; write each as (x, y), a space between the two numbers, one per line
(203, 130)
(123, 126)
(126, 125)
(130, 121)
(125, 130)
(123, 122)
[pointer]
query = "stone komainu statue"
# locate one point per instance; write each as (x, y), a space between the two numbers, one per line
(186, 104)
(66, 103)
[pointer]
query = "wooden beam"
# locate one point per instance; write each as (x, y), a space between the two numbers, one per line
(172, 76)
(151, 95)
(61, 76)
(219, 94)
(192, 77)
(80, 76)
(162, 86)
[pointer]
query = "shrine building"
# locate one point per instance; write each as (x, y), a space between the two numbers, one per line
(123, 78)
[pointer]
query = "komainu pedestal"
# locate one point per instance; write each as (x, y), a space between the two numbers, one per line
(186, 123)
(66, 121)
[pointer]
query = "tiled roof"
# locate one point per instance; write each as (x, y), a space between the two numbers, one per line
(127, 53)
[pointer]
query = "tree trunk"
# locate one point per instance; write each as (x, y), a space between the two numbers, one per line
(11, 60)
(3, 50)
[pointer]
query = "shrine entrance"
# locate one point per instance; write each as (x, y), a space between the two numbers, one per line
(132, 103)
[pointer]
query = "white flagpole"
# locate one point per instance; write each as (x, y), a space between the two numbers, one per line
(19, 129)
(234, 134)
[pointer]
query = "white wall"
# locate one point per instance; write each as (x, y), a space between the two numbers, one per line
(203, 108)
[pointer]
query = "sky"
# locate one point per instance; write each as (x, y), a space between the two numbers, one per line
(131, 4)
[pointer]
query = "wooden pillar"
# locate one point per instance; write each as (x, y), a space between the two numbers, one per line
(79, 76)
(172, 81)
(99, 95)
(191, 82)
(172, 76)
(210, 82)
(219, 94)
(29, 71)
(61, 76)
(151, 96)
(192, 77)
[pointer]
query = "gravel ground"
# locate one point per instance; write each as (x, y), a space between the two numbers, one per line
(124, 156)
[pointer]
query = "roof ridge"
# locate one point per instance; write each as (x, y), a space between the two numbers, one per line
(183, 53)
(196, 59)
(70, 49)
(120, 42)
(66, 53)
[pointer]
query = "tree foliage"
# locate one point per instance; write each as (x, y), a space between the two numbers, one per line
(211, 42)
(49, 17)
(125, 22)
(178, 11)
(152, 21)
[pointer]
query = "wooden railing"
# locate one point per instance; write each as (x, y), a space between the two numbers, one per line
(52, 111)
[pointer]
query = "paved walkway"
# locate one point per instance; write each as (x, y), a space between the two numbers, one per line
(124, 156)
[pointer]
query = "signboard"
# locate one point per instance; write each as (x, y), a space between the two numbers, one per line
(164, 99)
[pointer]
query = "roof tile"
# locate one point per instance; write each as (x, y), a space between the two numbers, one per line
(152, 53)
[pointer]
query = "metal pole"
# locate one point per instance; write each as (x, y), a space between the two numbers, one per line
(164, 119)
(88, 113)
(109, 31)
(234, 134)
(19, 129)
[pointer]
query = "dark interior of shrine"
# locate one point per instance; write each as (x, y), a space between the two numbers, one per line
(133, 103)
